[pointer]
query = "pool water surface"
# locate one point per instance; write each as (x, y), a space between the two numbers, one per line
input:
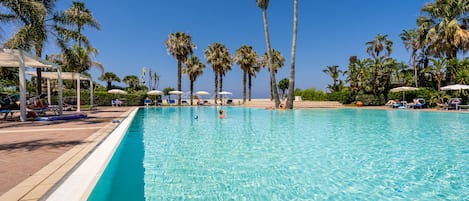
(188, 153)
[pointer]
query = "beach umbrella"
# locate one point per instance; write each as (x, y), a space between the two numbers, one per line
(117, 91)
(455, 87)
(154, 93)
(403, 90)
(224, 94)
(175, 92)
(202, 93)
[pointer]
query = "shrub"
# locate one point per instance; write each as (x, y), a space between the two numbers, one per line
(311, 94)
(370, 99)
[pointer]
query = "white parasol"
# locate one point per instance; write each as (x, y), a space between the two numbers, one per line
(404, 89)
(455, 87)
(117, 91)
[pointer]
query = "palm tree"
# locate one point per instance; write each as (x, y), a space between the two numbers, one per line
(179, 45)
(131, 80)
(246, 57)
(109, 77)
(379, 44)
(252, 73)
(277, 61)
(217, 55)
(411, 40)
(264, 4)
(32, 33)
(334, 72)
(283, 85)
(194, 68)
(438, 70)
(77, 16)
(154, 80)
(444, 28)
(291, 85)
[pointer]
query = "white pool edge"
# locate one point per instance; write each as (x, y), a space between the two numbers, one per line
(81, 182)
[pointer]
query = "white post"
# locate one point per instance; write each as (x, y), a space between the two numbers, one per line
(59, 78)
(78, 93)
(91, 94)
(48, 92)
(22, 86)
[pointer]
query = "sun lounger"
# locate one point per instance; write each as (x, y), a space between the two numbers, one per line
(7, 112)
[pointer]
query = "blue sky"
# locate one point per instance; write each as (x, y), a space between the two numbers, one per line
(329, 32)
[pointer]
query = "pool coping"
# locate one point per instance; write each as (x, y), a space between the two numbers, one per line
(80, 182)
(39, 185)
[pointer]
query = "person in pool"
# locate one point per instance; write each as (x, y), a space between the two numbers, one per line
(221, 114)
(281, 106)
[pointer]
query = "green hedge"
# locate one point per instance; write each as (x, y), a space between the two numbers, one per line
(103, 98)
(370, 99)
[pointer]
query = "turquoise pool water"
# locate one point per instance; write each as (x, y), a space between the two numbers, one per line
(320, 154)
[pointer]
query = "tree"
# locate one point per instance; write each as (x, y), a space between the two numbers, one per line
(109, 77)
(154, 80)
(246, 57)
(283, 85)
(277, 62)
(218, 56)
(131, 80)
(194, 68)
(334, 72)
(379, 44)
(291, 87)
(32, 32)
(411, 41)
(77, 17)
(437, 70)
(252, 73)
(264, 4)
(179, 45)
(444, 29)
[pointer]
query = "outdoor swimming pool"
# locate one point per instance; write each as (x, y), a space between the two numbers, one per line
(318, 154)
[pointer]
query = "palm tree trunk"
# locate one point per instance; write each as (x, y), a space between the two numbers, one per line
(192, 89)
(269, 54)
(216, 87)
(249, 86)
(415, 67)
(244, 86)
(291, 84)
(38, 71)
(179, 80)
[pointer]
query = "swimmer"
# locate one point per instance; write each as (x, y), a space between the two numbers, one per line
(221, 114)
(281, 106)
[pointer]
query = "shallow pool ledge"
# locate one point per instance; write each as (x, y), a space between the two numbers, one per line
(79, 184)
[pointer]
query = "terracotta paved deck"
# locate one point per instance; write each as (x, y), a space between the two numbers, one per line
(27, 147)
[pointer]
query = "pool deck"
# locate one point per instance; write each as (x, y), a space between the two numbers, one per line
(34, 156)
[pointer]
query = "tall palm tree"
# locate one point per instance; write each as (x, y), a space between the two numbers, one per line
(109, 77)
(220, 58)
(77, 17)
(444, 24)
(194, 68)
(334, 72)
(277, 62)
(32, 33)
(252, 73)
(246, 57)
(411, 41)
(264, 4)
(179, 45)
(291, 84)
(154, 80)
